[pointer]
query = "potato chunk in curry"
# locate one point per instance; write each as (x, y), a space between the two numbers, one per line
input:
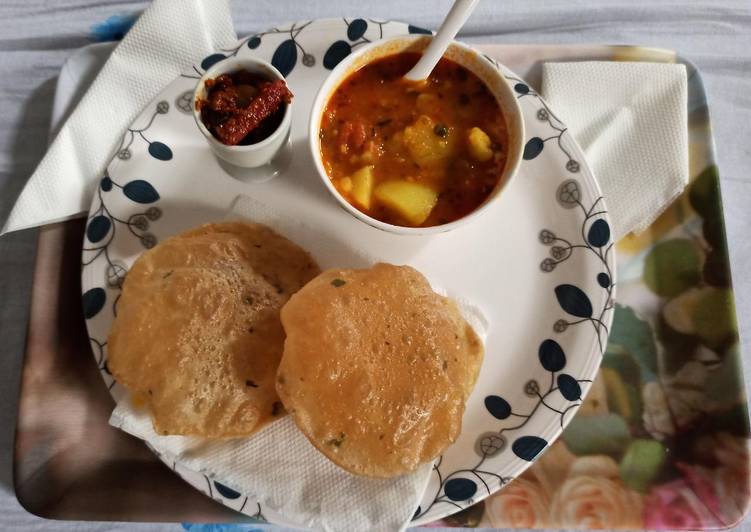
(480, 145)
(429, 144)
(412, 201)
(362, 186)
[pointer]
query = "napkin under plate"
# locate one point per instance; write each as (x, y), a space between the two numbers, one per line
(279, 467)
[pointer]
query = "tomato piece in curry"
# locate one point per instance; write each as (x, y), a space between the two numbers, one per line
(413, 153)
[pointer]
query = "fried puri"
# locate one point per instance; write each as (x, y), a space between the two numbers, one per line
(377, 368)
(197, 336)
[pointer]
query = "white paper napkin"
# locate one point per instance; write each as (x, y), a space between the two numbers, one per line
(282, 470)
(279, 467)
(167, 39)
(631, 121)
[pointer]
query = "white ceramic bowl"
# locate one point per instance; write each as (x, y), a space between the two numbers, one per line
(251, 155)
(457, 52)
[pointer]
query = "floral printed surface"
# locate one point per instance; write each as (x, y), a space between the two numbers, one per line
(662, 440)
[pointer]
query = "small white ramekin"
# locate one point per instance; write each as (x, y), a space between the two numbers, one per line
(461, 54)
(251, 155)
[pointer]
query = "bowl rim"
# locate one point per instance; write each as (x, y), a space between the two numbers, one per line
(332, 82)
(232, 64)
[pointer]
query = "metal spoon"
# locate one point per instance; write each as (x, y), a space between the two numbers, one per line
(451, 25)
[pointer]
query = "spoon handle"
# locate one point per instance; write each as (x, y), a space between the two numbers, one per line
(455, 19)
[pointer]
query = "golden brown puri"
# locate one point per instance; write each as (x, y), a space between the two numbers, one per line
(377, 368)
(197, 335)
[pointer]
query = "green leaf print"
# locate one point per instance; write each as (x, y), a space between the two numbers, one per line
(601, 434)
(673, 266)
(641, 464)
(635, 337)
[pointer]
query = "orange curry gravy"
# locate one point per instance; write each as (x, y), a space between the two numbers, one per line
(415, 132)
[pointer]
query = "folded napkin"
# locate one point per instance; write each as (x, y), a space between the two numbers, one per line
(631, 121)
(167, 39)
(279, 467)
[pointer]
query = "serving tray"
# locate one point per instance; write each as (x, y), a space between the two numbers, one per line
(58, 395)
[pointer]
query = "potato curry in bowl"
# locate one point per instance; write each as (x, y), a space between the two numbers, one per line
(416, 155)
